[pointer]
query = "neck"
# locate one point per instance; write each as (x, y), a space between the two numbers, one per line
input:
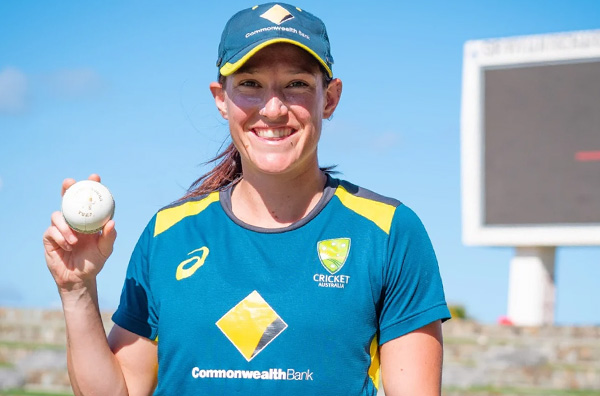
(277, 201)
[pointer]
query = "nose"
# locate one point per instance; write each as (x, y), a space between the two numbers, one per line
(274, 108)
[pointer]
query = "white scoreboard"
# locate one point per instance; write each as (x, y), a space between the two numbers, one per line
(530, 140)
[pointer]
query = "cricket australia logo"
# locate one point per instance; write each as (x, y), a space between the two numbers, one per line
(333, 254)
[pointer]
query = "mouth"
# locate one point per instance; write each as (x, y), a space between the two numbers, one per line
(273, 133)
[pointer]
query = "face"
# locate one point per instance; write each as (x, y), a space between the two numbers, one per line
(275, 105)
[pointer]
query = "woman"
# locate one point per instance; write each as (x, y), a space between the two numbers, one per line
(270, 276)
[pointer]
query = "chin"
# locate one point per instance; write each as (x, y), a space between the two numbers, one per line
(274, 163)
(275, 170)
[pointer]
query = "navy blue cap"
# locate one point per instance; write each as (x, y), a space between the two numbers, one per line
(254, 28)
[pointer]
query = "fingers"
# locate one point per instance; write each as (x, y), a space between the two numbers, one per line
(59, 234)
(69, 182)
(107, 238)
(54, 240)
(66, 184)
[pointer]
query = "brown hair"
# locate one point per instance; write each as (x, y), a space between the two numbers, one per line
(228, 170)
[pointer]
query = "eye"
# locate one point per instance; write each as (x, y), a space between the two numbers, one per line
(298, 84)
(249, 83)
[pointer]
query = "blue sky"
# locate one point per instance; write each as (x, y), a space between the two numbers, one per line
(121, 89)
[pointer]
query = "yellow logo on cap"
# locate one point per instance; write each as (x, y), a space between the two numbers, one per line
(277, 14)
(251, 325)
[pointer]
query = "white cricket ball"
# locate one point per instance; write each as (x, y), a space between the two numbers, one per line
(87, 205)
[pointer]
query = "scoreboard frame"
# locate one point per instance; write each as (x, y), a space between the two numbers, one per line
(480, 56)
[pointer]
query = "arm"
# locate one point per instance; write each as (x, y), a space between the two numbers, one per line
(74, 260)
(125, 364)
(413, 309)
(138, 359)
(412, 364)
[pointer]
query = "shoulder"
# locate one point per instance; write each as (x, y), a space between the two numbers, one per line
(172, 214)
(366, 203)
(360, 194)
(386, 212)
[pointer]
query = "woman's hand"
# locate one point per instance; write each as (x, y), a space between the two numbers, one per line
(75, 259)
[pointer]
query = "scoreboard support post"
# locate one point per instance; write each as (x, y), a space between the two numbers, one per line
(531, 292)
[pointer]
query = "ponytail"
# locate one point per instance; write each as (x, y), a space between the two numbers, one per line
(228, 171)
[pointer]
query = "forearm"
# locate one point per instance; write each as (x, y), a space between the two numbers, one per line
(93, 368)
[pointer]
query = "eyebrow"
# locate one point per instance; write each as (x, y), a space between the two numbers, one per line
(295, 69)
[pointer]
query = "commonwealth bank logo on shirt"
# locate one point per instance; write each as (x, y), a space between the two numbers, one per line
(333, 254)
(251, 325)
(277, 14)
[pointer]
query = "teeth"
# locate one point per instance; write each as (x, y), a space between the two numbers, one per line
(273, 133)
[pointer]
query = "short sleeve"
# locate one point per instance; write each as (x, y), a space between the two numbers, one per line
(137, 311)
(413, 294)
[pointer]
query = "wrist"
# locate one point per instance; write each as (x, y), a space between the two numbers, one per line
(76, 293)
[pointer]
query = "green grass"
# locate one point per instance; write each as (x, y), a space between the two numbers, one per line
(491, 390)
(20, 392)
(570, 367)
(31, 345)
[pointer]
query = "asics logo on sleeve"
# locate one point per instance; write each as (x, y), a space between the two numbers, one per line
(188, 267)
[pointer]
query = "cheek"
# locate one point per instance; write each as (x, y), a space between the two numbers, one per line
(245, 102)
(310, 113)
(306, 107)
(239, 111)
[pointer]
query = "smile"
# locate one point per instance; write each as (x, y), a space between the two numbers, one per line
(273, 133)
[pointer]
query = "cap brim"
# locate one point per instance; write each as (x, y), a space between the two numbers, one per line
(230, 68)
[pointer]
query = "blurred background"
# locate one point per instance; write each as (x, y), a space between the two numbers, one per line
(121, 89)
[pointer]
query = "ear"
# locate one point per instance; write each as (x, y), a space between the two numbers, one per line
(218, 92)
(332, 97)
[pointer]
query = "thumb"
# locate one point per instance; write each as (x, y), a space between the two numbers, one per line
(107, 239)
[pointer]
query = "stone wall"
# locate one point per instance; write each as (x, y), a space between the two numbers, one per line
(32, 350)
(479, 359)
(526, 360)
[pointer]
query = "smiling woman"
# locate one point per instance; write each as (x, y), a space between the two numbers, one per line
(269, 275)
(275, 105)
